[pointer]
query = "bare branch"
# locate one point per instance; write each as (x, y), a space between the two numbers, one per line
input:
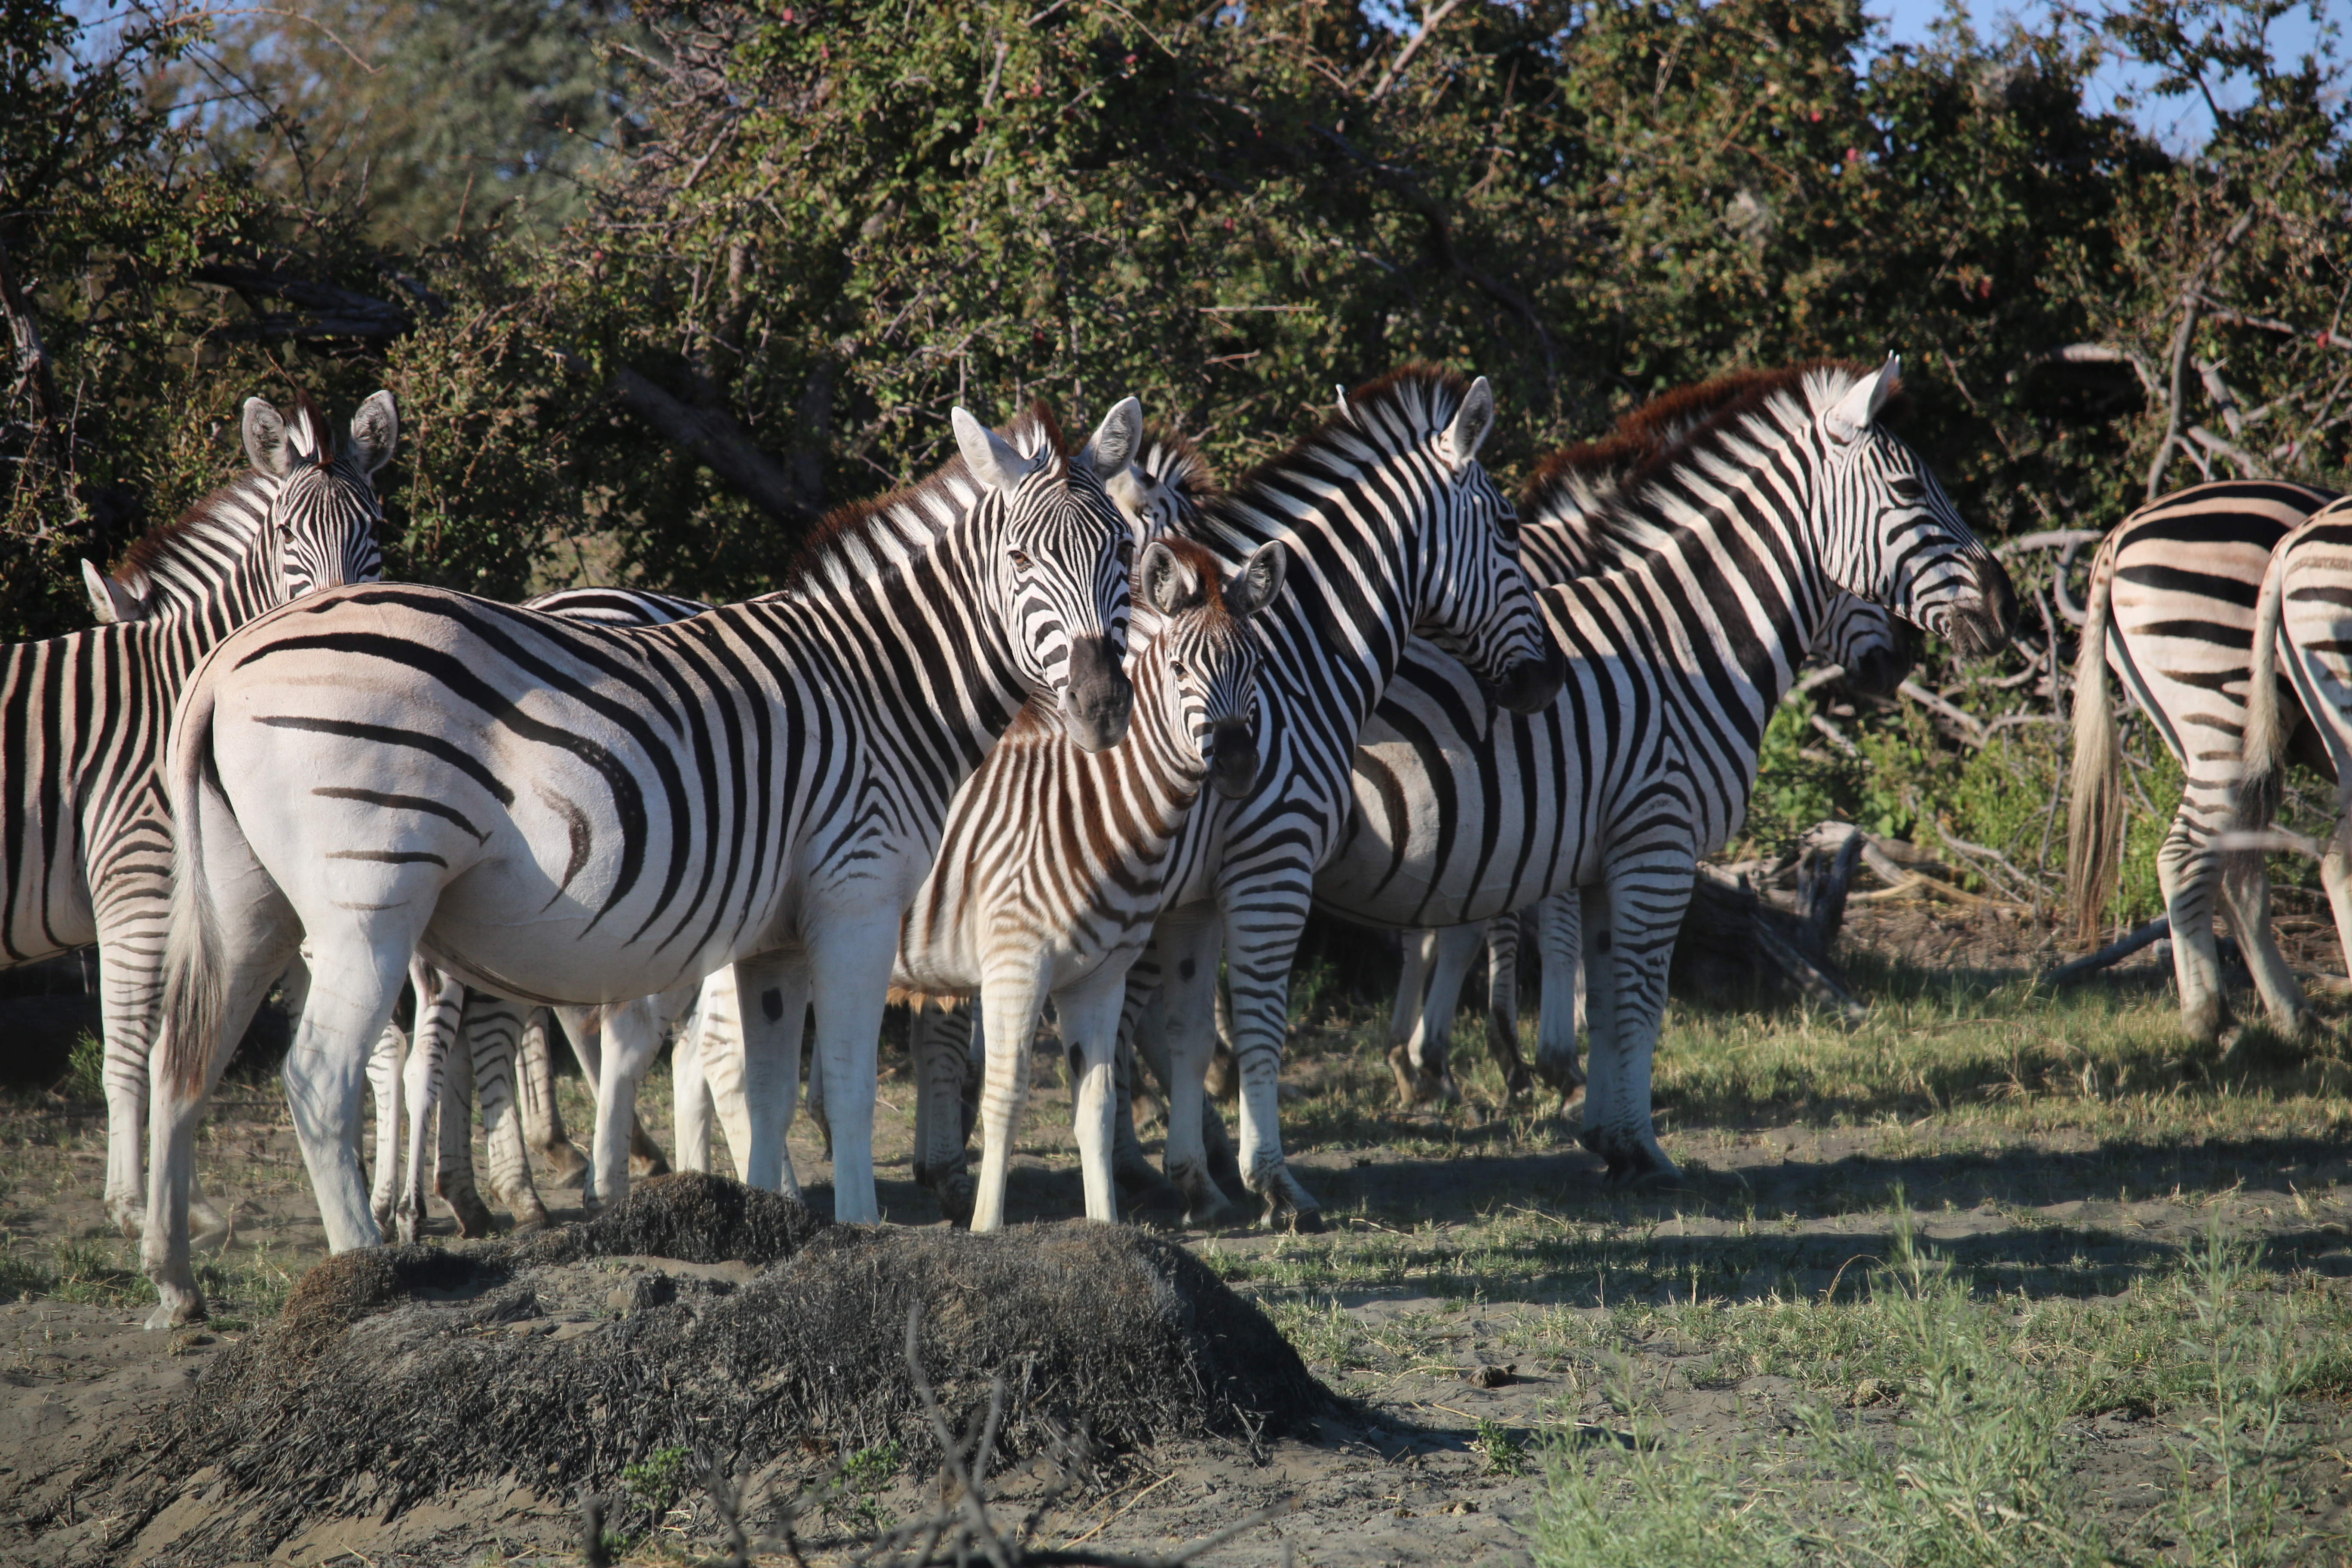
(1429, 26)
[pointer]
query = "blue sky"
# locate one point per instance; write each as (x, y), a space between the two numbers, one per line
(2179, 124)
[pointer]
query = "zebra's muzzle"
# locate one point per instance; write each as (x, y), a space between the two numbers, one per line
(1232, 758)
(1879, 672)
(1529, 686)
(1985, 623)
(1098, 701)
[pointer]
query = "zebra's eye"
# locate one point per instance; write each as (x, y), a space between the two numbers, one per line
(1177, 668)
(1020, 559)
(1907, 488)
(1127, 551)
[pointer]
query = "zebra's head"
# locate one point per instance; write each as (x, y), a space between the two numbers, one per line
(1893, 535)
(1469, 596)
(324, 515)
(1202, 670)
(1162, 487)
(1058, 555)
(1862, 640)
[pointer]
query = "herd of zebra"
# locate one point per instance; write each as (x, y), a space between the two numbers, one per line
(1057, 721)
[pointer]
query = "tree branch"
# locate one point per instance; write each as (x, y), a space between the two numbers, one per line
(713, 437)
(2192, 302)
(31, 359)
(1429, 24)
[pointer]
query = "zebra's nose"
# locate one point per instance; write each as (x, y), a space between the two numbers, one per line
(1232, 758)
(1879, 672)
(1985, 623)
(1099, 699)
(1529, 686)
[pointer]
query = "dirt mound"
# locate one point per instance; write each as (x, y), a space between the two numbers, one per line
(402, 1373)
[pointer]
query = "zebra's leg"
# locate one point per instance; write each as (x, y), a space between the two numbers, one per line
(690, 1100)
(1261, 943)
(1404, 1018)
(718, 1023)
(440, 1001)
(1151, 1197)
(542, 1116)
(2190, 875)
(1431, 1073)
(1222, 1081)
(772, 999)
(493, 1024)
(1631, 919)
(941, 1041)
(385, 1064)
(2335, 877)
(255, 944)
(130, 986)
(2246, 884)
(630, 1037)
(850, 955)
(1088, 1013)
(453, 1173)
(1188, 946)
(1503, 1006)
(1559, 929)
(1009, 1001)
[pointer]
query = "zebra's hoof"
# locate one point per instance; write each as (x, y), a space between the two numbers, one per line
(1408, 1077)
(177, 1305)
(958, 1200)
(473, 1215)
(1280, 1215)
(130, 1219)
(1159, 1206)
(566, 1165)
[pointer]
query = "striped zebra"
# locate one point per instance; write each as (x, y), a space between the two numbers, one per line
(1395, 533)
(439, 1084)
(560, 811)
(1558, 541)
(1860, 640)
(2171, 611)
(1734, 543)
(2303, 619)
(1049, 873)
(85, 831)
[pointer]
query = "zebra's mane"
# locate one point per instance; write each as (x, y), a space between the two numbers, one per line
(173, 554)
(1172, 460)
(1597, 487)
(1393, 413)
(886, 522)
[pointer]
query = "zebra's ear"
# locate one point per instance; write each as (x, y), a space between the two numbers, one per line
(1118, 439)
(265, 439)
(375, 431)
(996, 463)
(1473, 422)
(1258, 581)
(1130, 490)
(1170, 585)
(1850, 417)
(115, 603)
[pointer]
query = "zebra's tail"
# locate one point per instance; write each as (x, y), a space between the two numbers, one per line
(2095, 804)
(194, 988)
(2266, 727)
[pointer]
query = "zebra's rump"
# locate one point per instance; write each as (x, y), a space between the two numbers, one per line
(2188, 569)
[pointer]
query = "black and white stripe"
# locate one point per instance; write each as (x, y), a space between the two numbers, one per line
(564, 813)
(2171, 611)
(1678, 655)
(1395, 534)
(85, 830)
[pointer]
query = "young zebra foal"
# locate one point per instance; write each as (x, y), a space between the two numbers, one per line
(1049, 874)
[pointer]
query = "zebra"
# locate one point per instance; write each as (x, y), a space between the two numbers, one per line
(1557, 542)
(437, 1079)
(85, 832)
(1731, 545)
(1860, 639)
(560, 812)
(1395, 532)
(2171, 609)
(2301, 619)
(1049, 871)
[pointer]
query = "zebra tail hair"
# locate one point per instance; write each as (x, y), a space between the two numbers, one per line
(194, 989)
(2264, 748)
(2095, 797)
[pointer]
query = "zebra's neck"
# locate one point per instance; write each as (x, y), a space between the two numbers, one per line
(1729, 546)
(190, 560)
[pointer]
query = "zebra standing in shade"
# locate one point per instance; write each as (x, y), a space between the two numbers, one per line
(2303, 619)
(1558, 543)
(2171, 610)
(85, 831)
(1733, 546)
(1395, 532)
(560, 811)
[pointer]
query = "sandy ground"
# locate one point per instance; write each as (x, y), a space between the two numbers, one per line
(1409, 1475)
